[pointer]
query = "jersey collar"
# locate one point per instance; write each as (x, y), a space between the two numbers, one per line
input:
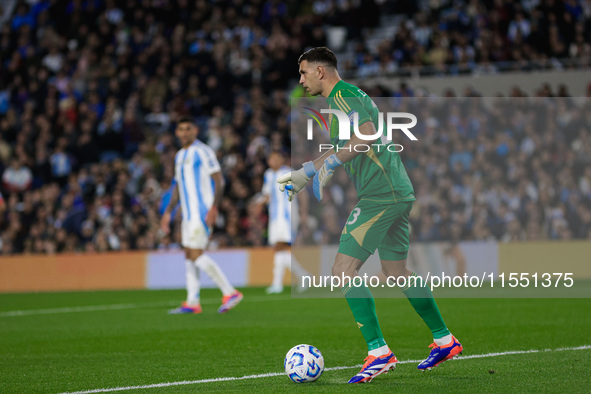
(335, 89)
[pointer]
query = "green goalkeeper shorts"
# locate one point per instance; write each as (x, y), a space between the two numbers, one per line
(377, 225)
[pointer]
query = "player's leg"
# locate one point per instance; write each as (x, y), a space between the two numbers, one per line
(298, 271)
(380, 358)
(231, 296)
(290, 262)
(280, 264)
(393, 253)
(361, 303)
(358, 241)
(280, 235)
(279, 240)
(197, 238)
(283, 259)
(445, 346)
(192, 304)
(212, 269)
(294, 265)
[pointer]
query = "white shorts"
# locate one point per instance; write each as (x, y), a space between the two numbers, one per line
(194, 235)
(282, 230)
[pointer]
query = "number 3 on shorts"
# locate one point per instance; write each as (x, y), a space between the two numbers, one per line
(356, 212)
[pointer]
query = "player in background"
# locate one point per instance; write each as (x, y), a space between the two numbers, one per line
(283, 223)
(200, 185)
(378, 221)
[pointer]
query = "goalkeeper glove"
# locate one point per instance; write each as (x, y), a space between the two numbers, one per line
(295, 181)
(324, 174)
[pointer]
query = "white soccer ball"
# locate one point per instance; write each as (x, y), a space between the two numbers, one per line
(304, 363)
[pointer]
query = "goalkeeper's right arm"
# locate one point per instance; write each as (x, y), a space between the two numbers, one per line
(295, 181)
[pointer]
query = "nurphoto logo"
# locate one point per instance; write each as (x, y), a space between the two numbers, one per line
(346, 122)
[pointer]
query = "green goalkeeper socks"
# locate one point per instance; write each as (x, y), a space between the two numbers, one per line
(422, 300)
(362, 305)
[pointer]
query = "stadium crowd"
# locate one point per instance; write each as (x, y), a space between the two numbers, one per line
(453, 37)
(507, 168)
(90, 92)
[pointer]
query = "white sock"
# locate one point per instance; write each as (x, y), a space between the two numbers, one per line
(211, 268)
(278, 269)
(294, 266)
(193, 285)
(443, 341)
(381, 351)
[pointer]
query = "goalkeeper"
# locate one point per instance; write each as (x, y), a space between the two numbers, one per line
(378, 221)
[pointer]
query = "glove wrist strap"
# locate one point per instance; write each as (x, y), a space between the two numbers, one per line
(333, 161)
(309, 169)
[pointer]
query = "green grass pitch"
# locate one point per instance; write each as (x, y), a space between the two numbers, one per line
(66, 342)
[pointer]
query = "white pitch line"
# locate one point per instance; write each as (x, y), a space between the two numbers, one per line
(273, 374)
(89, 308)
(95, 308)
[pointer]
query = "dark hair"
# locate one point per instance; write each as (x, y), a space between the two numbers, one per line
(319, 55)
(186, 119)
(280, 152)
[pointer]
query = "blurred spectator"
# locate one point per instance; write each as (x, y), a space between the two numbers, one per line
(17, 177)
(90, 92)
(61, 163)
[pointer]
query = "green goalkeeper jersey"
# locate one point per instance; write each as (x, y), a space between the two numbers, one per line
(379, 173)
